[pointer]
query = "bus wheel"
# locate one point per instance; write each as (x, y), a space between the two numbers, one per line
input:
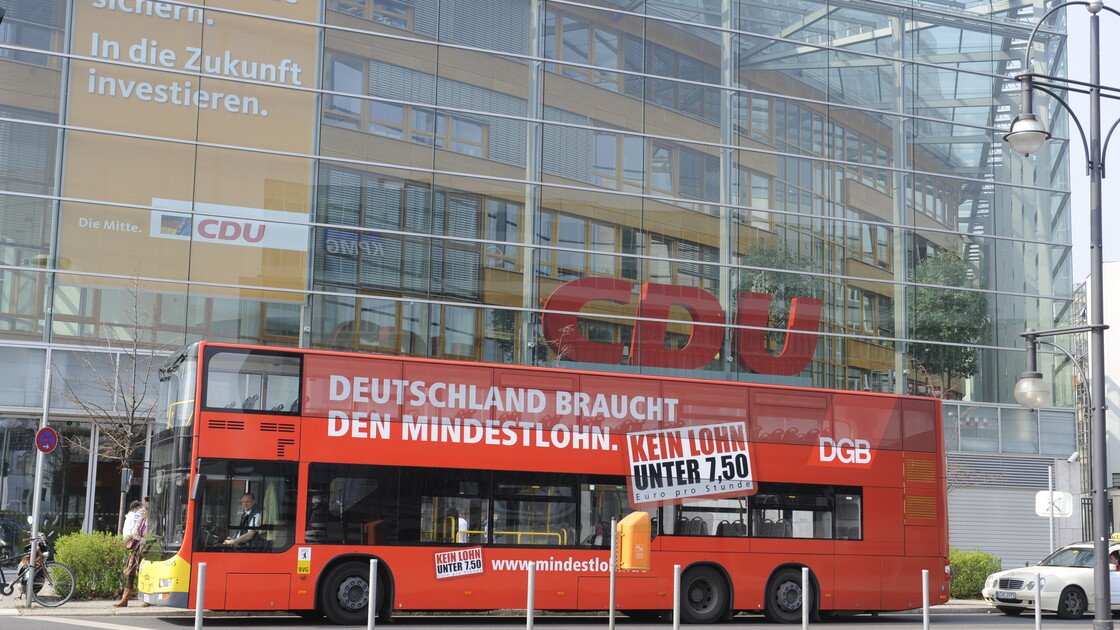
(346, 594)
(703, 595)
(784, 597)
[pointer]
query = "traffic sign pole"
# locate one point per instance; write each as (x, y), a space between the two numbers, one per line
(37, 499)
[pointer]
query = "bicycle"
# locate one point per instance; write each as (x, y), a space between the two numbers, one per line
(54, 581)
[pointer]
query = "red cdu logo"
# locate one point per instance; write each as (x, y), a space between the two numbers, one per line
(647, 346)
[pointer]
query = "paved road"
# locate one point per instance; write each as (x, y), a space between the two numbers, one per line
(159, 622)
(101, 615)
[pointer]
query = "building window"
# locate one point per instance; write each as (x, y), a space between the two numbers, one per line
(27, 34)
(760, 119)
(688, 96)
(503, 225)
(662, 173)
(420, 125)
(394, 13)
(576, 41)
(417, 263)
(344, 74)
(619, 162)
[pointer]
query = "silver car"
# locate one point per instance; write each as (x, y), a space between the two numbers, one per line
(1062, 583)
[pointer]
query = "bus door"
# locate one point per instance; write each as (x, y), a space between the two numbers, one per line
(245, 515)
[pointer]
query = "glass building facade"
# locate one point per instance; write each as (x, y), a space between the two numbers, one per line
(648, 186)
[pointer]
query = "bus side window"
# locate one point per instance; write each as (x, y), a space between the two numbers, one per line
(601, 500)
(536, 508)
(350, 504)
(848, 517)
(252, 381)
(443, 506)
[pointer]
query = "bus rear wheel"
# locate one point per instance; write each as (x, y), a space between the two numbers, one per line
(704, 595)
(345, 594)
(784, 597)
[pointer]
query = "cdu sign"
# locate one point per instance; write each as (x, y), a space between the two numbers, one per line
(647, 345)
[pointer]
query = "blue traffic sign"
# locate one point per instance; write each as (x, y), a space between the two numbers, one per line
(46, 439)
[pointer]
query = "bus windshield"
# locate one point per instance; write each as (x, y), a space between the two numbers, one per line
(171, 452)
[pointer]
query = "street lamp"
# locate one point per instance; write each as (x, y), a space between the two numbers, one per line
(1031, 391)
(1026, 136)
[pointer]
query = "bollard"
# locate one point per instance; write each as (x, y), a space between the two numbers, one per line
(529, 600)
(198, 596)
(805, 598)
(614, 572)
(925, 599)
(1038, 602)
(676, 597)
(371, 607)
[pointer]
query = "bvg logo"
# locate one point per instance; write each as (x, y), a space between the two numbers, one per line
(846, 451)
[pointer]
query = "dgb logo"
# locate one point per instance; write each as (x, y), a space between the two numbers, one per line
(845, 450)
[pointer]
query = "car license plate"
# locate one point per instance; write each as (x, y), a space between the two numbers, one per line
(1005, 595)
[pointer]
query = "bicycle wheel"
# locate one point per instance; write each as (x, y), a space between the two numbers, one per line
(55, 586)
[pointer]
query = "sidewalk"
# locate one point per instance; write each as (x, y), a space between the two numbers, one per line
(10, 606)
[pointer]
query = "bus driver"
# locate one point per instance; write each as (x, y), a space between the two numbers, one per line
(250, 522)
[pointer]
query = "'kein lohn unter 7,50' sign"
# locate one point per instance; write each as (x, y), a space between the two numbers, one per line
(689, 463)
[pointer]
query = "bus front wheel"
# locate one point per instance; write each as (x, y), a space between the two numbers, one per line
(346, 594)
(784, 597)
(704, 595)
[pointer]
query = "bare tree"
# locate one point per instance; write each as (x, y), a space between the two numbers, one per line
(562, 346)
(112, 384)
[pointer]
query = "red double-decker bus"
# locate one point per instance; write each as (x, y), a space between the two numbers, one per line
(286, 471)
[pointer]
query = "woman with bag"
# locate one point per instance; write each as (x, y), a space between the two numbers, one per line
(135, 524)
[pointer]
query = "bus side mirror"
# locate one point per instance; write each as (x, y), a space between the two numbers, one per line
(199, 481)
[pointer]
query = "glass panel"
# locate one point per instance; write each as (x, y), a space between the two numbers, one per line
(17, 477)
(87, 379)
(980, 429)
(1018, 430)
(22, 385)
(1059, 432)
(951, 427)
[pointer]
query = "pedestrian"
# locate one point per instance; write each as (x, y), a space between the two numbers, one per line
(135, 526)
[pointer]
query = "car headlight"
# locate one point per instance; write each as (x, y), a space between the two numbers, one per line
(166, 583)
(991, 582)
(1041, 583)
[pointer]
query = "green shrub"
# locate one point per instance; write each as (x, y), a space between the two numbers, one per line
(97, 560)
(968, 570)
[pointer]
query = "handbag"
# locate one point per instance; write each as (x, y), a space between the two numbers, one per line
(132, 543)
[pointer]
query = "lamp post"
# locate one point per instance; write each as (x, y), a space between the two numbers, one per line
(1026, 136)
